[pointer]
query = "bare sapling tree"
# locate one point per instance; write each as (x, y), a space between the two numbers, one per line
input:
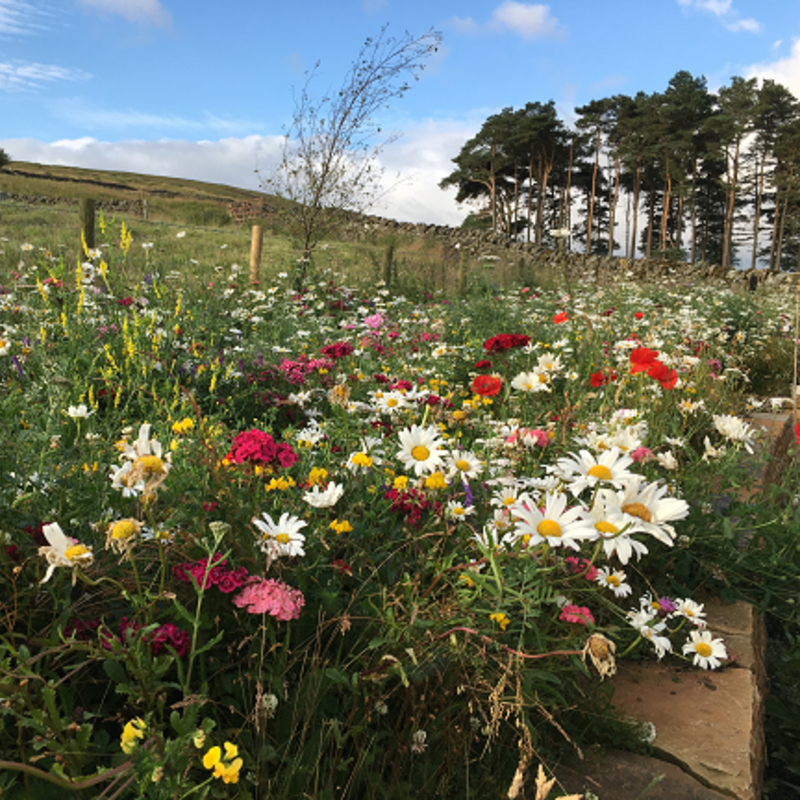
(330, 161)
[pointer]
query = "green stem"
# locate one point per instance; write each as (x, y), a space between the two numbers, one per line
(27, 769)
(199, 786)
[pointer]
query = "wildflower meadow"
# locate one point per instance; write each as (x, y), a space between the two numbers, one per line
(350, 543)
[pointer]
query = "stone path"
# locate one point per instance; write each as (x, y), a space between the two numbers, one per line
(709, 725)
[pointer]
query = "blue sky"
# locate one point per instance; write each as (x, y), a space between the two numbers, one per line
(202, 88)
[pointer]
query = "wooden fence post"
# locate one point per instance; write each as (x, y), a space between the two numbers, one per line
(255, 254)
(87, 225)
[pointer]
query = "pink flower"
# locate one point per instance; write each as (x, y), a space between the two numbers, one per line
(641, 453)
(577, 565)
(270, 596)
(580, 615)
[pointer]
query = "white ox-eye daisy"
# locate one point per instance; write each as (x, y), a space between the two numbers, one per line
(615, 580)
(735, 430)
(324, 498)
(649, 508)
(421, 449)
(610, 525)
(554, 523)
(585, 471)
(63, 552)
(707, 652)
(463, 464)
(281, 538)
(692, 611)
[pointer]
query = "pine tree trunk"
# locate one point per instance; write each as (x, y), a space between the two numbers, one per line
(774, 241)
(590, 215)
(636, 191)
(612, 213)
(757, 216)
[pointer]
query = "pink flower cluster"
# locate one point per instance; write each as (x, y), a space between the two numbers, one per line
(215, 574)
(270, 596)
(337, 350)
(257, 447)
(579, 615)
(295, 371)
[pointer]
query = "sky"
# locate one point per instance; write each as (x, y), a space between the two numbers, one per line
(204, 89)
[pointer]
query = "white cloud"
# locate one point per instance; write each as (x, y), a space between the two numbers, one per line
(724, 11)
(26, 75)
(784, 70)
(18, 17)
(422, 157)
(90, 118)
(531, 21)
(374, 6)
(144, 11)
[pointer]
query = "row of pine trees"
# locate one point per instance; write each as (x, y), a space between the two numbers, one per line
(688, 173)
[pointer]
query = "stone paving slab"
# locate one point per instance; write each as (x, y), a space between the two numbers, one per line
(626, 776)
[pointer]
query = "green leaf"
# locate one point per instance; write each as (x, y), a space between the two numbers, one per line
(115, 671)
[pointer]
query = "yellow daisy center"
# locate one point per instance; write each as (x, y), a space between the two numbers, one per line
(420, 453)
(601, 472)
(76, 551)
(151, 464)
(458, 511)
(612, 580)
(391, 402)
(463, 465)
(124, 529)
(548, 527)
(638, 510)
(283, 538)
(606, 527)
(703, 649)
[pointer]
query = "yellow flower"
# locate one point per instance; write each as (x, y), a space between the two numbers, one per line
(132, 731)
(341, 527)
(227, 768)
(435, 480)
(400, 483)
(501, 619)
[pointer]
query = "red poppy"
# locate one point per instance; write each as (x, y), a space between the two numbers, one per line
(487, 385)
(660, 372)
(562, 316)
(797, 432)
(482, 364)
(601, 378)
(642, 358)
(639, 314)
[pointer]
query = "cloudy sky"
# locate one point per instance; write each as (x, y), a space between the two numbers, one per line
(203, 89)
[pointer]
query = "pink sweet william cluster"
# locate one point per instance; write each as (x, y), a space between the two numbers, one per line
(226, 580)
(270, 596)
(337, 350)
(257, 447)
(295, 371)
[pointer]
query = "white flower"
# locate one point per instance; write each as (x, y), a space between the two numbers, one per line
(649, 628)
(708, 652)
(79, 412)
(391, 402)
(584, 470)
(281, 538)
(418, 744)
(735, 430)
(611, 525)
(615, 580)
(535, 381)
(457, 512)
(63, 552)
(464, 465)
(667, 460)
(711, 451)
(692, 611)
(421, 449)
(326, 498)
(648, 508)
(180, 234)
(555, 523)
